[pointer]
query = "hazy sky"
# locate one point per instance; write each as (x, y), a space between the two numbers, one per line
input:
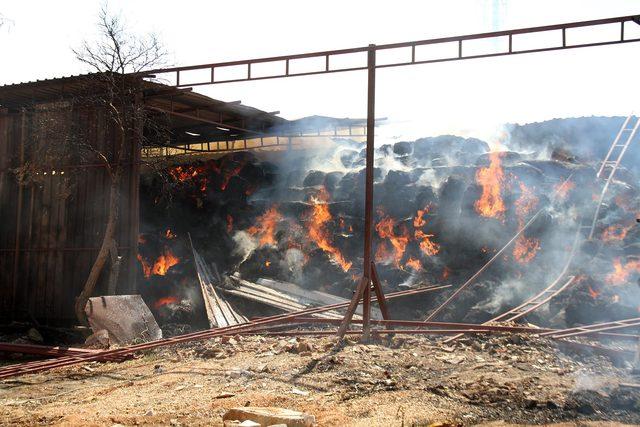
(468, 97)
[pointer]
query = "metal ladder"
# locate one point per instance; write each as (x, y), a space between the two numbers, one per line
(612, 161)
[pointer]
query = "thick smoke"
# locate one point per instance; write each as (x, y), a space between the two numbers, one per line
(443, 207)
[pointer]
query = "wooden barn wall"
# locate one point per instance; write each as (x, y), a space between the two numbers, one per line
(51, 227)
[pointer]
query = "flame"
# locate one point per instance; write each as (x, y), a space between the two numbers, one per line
(446, 273)
(165, 301)
(525, 249)
(592, 293)
(190, 173)
(317, 230)
(615, 232)
(621, 273)
(266, 227)
(146, 267)
(169, 234)
(162, 265)
(562, 190)
(164, 262)
(491, 179)
(229, 223)
(414, 264)
(427, 246)
(227, 177)
(267, 263)
(385, 229)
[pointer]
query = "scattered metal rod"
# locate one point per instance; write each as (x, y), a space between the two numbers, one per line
(477, 274)
(594, 328)
(45, 350)
(380, 331)
(195, 336)
(419, 323)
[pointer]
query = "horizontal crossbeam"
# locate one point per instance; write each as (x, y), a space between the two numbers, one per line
(286, 65)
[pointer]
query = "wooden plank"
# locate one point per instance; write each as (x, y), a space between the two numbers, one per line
(254, 292)
(219, 312)
(311, 297)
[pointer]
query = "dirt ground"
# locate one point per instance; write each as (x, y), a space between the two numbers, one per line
(406, 381)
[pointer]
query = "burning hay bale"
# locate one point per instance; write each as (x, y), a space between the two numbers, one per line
(445, 205)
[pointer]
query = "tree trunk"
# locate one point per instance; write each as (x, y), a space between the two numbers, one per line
(103, 254)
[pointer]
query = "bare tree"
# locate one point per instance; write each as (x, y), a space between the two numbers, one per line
(116, 53)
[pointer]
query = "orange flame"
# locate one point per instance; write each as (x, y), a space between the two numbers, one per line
(317, 230)
(621, 273)
(165, 301)
(227, 177)
(162, 265)
(562, 190)
(266, 227)
(427, 246)
(229, 223)
(491, 179)
(146, 268)
(594, 294)
(164, 262)
(615, 232)
(525, 249)
(446, 273)
(385, 229)
(414, 264)
(169, 234)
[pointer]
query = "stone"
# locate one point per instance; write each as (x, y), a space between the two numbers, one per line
(268, 416)
(34, 335)
(98, 339)
(126, 317)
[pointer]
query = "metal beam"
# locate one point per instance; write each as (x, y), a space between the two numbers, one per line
(286, 61)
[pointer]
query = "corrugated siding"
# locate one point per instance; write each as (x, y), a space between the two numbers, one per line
(51, 228)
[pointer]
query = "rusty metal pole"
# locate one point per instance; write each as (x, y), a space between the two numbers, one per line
(364, 287)
(368, 204)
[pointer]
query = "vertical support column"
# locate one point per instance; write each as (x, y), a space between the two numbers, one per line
(134, 192)
(16, 258)
(368, 204)
(364, 287)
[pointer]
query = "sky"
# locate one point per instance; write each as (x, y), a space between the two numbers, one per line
(468, 98)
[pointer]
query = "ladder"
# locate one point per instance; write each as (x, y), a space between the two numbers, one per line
(611, 162)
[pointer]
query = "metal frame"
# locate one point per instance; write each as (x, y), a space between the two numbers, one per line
(369, 278)
(288, 61)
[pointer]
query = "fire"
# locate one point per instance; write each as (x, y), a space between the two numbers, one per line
(615, 232)
(227, 177)
(165, 301)
(385, 229)
(562, 190)
(317, 228)
(169, 234)
(266, 227)
(491, 179)
(162, 265)
(146, 268)
(229, 223)
(525, 249)
(446, 273)
(190, 173)
(164, 262)
(621, 273)
(414, 264)
(267, 263)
